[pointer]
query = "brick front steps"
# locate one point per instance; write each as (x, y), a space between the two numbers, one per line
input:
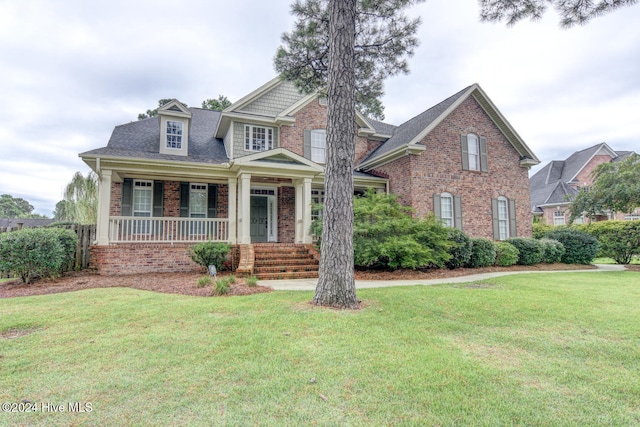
(284, 261)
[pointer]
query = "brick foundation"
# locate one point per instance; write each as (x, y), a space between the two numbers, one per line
(136, 258)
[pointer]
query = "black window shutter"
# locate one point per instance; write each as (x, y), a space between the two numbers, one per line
(437, 210)
(212, 201)
(126, 205)
(457, 212)
(513, 229)
(158, 196)
(494, 217)
(465, 152)
(483, 154)
(184, 199)
(307, 144)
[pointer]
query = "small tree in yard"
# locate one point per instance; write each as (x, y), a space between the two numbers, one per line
(619, 240)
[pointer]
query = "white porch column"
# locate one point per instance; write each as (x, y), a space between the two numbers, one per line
(245, 209)
(233, 210)
(104, 206)
(306, 211)
(299, 209)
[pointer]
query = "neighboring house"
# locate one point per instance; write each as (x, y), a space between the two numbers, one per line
(13, 224)
(554, 186)
(252, 172)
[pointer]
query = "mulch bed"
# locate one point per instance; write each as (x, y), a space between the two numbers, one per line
(185, 283)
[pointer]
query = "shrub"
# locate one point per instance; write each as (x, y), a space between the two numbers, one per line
(552, 250)
(204, 281)
(221, 287)
(530, 251)
(387, 236)
(69, 240)
(210, 253)
(35, 252)
(580, 247)
(251, 281)
(506, 254)
(540, 229)
(483, 253)
(619, 240)
(459, 249)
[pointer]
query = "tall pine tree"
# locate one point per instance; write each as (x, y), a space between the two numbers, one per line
(347, 47)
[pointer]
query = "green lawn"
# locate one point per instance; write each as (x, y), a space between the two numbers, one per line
(536, 350)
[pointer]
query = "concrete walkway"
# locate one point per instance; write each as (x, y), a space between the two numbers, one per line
(310, 284)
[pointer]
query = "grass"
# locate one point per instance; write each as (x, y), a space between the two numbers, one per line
(536, 350)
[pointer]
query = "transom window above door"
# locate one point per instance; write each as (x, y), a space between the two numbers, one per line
(258, 138)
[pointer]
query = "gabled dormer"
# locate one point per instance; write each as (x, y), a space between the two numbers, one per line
(175, 120)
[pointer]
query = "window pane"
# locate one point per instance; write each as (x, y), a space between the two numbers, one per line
(198, 201)
(318, 144)
(446, 210)
(503, 219)
(474, 151)
(174, 134)
(142, 194)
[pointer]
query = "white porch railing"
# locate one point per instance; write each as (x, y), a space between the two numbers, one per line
(124, 229)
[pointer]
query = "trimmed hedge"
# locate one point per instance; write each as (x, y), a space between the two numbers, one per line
(36, 252)
(530, 250)
(483, 253)
(460, 249)
(506, 254)
(210, 253)
(553, 250)
(580, 247)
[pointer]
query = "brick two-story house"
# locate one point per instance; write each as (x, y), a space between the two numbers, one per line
(555, 185)
(250, 174)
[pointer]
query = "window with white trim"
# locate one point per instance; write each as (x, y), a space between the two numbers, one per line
(558, 218)
(142, 198)
(446, 209)
(474, 152)
(198, 201)
(317, 198)
(318, 145)
(258, 138)
(174, 134)
(503, 217)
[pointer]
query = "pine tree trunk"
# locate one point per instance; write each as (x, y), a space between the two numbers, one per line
(336, 286)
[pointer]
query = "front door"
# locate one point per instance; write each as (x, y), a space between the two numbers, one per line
(259, 220)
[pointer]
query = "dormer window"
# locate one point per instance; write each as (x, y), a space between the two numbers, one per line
(174, 134)
(174, 123)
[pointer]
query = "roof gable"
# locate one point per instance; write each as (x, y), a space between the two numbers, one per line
(277, 158)
(408, 135)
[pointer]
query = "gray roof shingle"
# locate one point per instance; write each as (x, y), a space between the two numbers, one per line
(407, 131)
(141, 139)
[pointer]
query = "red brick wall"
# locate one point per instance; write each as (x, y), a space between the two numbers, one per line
(286, 215)
(116, 199)
(439, 169)
(314, 116)
(584, 177)
(135, 258)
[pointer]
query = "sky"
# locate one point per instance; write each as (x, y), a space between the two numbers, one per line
(72, 70)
